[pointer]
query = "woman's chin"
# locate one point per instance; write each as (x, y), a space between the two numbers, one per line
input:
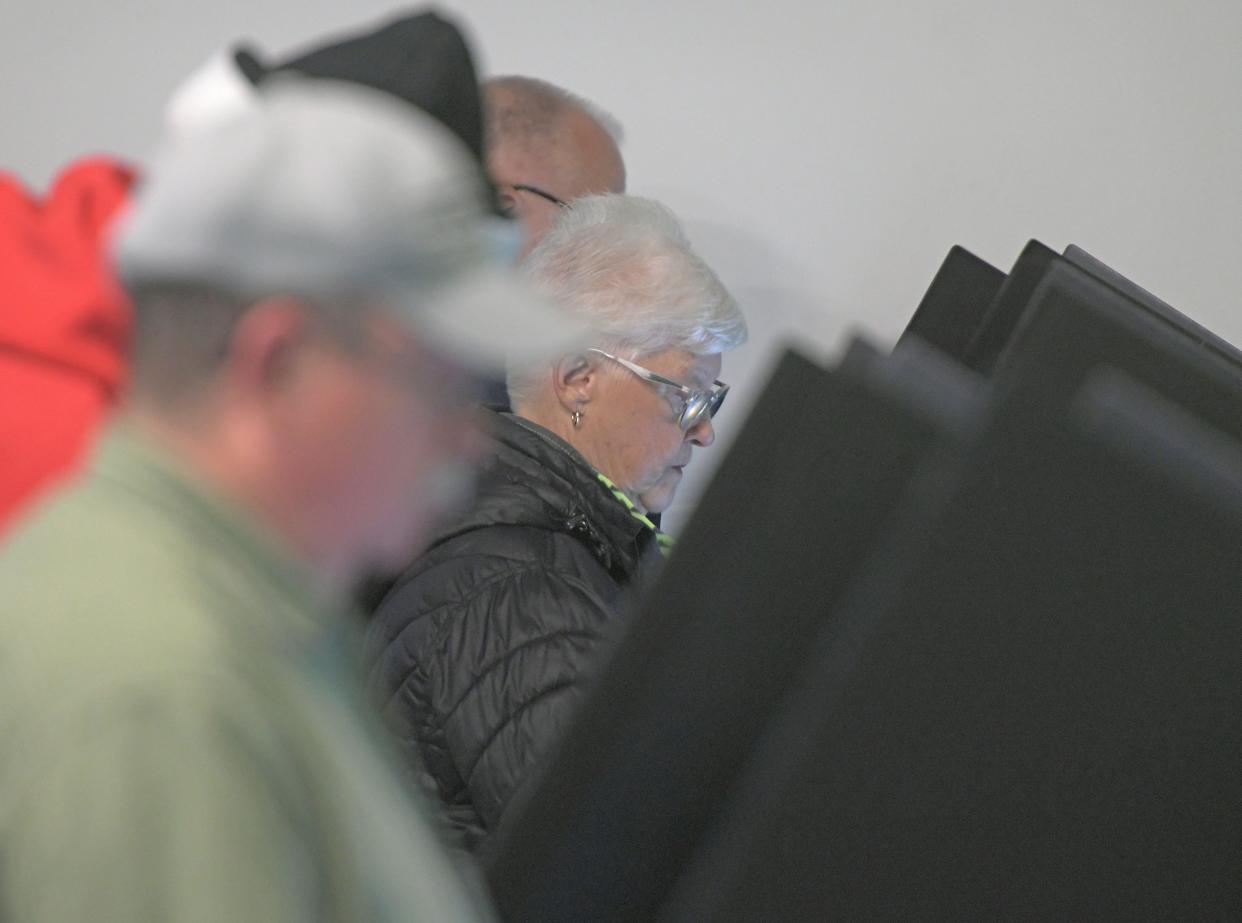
(660, 497)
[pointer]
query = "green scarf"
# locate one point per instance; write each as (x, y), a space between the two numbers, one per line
(663, 541)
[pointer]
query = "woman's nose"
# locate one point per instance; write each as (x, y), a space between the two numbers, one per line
(703, 433)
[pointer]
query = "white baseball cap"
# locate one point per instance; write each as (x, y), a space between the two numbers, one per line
(324, 188)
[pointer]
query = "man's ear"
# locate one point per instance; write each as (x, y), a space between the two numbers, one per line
(266, 343)
(575, 380)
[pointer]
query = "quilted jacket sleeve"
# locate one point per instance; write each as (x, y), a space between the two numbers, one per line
(494, 658)
(537, 635)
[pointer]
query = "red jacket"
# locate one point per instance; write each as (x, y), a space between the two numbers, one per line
(64, 324)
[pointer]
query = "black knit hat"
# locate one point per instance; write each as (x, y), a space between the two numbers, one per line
(420, 58)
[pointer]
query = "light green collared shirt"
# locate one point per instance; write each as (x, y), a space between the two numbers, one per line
(182, 735)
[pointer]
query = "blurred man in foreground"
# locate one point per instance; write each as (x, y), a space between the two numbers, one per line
(180, 731)
(65, 324)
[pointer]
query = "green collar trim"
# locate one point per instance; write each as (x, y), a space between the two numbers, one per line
(664, 541)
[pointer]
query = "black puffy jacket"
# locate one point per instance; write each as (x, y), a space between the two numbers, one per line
(483, 647)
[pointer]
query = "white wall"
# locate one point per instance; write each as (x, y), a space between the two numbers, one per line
(824, 155)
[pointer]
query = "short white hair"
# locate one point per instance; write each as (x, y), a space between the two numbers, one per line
(624, 264)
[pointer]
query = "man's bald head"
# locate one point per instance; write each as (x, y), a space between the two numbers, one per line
(541, 136)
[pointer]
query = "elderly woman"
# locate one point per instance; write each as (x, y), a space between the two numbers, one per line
(482, 648)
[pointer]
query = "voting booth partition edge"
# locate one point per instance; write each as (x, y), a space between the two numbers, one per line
(808, 487)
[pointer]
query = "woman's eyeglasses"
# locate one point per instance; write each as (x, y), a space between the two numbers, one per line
(697, 403)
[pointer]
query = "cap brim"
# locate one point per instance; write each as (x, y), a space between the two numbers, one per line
(490, 317)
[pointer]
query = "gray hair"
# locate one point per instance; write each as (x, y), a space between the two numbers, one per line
(527, 109)
(624, 264)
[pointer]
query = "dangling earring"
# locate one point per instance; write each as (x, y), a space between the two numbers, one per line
(576, 418)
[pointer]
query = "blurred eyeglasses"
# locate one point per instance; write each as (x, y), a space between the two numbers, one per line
(533, 190)
(697, 403)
